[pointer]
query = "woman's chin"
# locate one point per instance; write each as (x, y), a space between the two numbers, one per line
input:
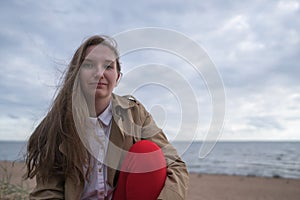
(100, 94)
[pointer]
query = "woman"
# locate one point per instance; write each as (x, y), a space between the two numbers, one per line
(94, 144)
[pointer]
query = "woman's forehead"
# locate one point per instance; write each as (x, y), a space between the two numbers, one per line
(100, 52)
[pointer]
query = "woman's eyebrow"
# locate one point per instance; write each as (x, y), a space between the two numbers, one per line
(89, 60)
(109, 61)
(93, 60)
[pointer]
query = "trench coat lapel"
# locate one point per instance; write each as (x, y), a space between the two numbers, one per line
(114, 153)
(119, 141)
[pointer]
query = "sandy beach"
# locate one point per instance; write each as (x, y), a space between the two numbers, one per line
(202, 187)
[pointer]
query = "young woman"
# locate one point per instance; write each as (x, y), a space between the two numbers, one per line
(94, 144)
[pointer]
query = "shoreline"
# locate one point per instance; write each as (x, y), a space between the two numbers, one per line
(201, 186)
(275, 176)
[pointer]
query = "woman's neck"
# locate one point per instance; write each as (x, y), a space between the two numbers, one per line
(101, 105)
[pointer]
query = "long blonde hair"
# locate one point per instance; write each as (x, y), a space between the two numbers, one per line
(43, 154)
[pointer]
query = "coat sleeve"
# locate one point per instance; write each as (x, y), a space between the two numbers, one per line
(53, 188)
(177, 175)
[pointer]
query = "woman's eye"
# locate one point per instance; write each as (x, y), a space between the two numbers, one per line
(108, 67)
(87, 65)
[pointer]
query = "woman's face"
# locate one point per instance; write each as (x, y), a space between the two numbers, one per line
(98, 72)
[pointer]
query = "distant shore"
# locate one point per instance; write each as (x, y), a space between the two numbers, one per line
(202, 186)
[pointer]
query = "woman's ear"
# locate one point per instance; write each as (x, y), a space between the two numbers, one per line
(119, 78)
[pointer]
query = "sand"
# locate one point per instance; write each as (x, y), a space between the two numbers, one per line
(215, 187)
(202, 187)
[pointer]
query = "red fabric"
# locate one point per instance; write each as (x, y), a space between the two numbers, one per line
(143, 173)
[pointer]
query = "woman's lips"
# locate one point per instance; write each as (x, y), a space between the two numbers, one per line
(100, 85)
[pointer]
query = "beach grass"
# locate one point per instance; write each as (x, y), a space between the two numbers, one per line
(12, 190)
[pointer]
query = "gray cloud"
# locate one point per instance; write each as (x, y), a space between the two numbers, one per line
(264, 122)
(254, 44)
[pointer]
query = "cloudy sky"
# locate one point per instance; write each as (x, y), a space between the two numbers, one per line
(254, 45)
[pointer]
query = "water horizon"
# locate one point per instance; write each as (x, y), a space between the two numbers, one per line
(247, 158)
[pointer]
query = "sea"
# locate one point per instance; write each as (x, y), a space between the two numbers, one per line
(262, 159)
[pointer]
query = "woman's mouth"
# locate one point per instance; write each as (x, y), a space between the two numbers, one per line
(100, 85)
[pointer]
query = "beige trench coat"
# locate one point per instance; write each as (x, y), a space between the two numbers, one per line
(131, 123)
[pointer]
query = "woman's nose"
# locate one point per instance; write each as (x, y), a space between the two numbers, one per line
(99, 71)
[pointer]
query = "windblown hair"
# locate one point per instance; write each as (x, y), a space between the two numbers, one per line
(44, 157)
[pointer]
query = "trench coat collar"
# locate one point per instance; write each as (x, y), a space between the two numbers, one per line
(121, 116)
(124, 102)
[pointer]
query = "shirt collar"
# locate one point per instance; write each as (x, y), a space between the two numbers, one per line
(106, 116)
